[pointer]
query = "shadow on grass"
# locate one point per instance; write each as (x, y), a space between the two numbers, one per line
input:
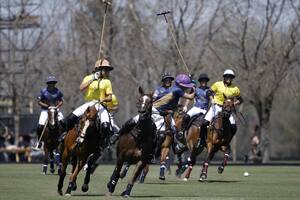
(88, 195)
(218, 181)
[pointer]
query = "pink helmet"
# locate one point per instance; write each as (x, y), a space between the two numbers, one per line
(184, 81)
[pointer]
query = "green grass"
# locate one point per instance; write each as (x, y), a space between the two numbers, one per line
(24, 181)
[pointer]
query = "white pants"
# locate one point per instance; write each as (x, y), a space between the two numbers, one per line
(102, 112)
(213, 111)
(195, 110)
(158, 120)
(44, 117)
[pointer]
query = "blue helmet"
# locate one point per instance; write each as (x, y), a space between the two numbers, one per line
(184, 81)
(51, 79)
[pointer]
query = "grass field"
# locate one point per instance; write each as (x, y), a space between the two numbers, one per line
(24, 181)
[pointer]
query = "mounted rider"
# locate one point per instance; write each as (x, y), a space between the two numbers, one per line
(203, 95)
(113, 108)
(165, 106)
(166, 83)
(221, 88)
(98, 92)
(49, 96)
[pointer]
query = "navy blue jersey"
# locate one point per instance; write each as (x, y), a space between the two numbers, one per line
(202, 95)
(160, 92)
(50, 97)
(170, 100)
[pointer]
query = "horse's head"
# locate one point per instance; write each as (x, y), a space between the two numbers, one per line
(228, 106)
(52, 116)
(144, 104)
(89, 117)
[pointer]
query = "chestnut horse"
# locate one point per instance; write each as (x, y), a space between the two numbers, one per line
(219, 136)
(90, 124)
(50, 137)
(135, 146)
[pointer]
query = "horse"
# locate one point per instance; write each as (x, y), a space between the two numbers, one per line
(136, 146)
(90, 124)
(50, 138)
(192, 141)
(219, 136)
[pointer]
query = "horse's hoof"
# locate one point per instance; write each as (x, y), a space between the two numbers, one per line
(125, 194)
(108, 194)
(162, 178)
(43, 173)
(74, 187)
(220, 169)
(185, 179)
(85, 187)
(52, 171)
(203, 177)
(67, 194)
(60, 192)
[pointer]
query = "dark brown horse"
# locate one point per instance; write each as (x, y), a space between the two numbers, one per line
(90, 124)
(50, 138)
(219, 136)
(135, 146)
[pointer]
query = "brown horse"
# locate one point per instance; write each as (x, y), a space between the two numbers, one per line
(219, 136)
(90, 124)
(135, 146)
(50, 138)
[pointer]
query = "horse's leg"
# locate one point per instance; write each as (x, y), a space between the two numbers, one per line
(225, 159)
(138, 169)
(65, 160)
(73, 177)
(144, 174)
(163, 156)
(46, 161)
(74, 165)
(111, 185)
(58, 162)
(51, 155)
(210, 154)
(124, 171)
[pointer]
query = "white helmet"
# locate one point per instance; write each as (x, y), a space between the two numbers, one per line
(228, 72)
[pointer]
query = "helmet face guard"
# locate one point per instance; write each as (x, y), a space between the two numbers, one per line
(167, 76)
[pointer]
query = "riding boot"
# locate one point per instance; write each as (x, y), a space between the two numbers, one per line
(63, 126)
(105, 134)
(233, 129)
(127, 127)
(39, 131)
(71, 121)
(185, 122)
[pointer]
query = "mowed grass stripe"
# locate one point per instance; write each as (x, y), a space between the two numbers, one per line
(24, 181)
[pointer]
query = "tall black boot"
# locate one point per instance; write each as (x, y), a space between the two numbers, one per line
(233, 128)
(105, 134)
(71, 121)
(185, 122)
(63, 126)
(128, 126)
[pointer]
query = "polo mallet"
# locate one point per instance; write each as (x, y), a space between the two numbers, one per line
(173, 37)
(36, 148)
(107, 3)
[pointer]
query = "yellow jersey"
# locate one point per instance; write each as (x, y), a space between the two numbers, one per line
(219, 88)
(114, 102)
(97, 90)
